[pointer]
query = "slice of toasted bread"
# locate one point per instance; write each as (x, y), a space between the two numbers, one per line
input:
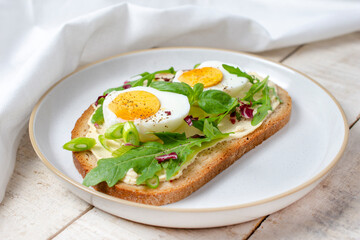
(206, 166)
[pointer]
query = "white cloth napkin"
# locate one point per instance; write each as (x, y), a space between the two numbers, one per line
(42, 41)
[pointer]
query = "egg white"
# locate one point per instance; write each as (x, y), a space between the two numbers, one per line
(231, 84)
(177, 104)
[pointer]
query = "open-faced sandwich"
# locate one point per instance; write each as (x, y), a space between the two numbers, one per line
(163, 135)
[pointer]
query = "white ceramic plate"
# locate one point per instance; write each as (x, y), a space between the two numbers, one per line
(275, 174)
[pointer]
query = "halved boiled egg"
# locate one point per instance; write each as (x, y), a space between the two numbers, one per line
(151, 110)
(213, 76)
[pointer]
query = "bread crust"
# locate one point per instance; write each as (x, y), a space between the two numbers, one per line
(208, 163)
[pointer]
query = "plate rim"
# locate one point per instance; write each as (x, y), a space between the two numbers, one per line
(104, 196)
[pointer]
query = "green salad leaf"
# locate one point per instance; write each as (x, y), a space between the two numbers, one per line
(171, 137)
(142, 160)
(198, 89)
(196, 65)
(262, 105)
(209, 125)
(211, 131)
(143, 74)
(148, 172)
(98, 116)
(199, 124)
(215, 101)
(113, 89)
(236, 71)
(255, 88)
(275, 94)
(182, 146)
(180, 88)
(264, 108)
(175, 87)
(149, 77)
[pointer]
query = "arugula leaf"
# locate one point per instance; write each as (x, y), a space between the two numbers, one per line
(183, 149)
(215, 101)
(98, 116)
(170, 137)
(113, 89)
(275, 93)
(256, 87)
(262, 111)
(172, 167)
(175, 87)
(180, 88)
(230, 109)
(199, 124)
(112, 170)
(238, 72)
(141, 159)
(149, 77)
(190, 92)
(212, 131)
(145, 76)
(149, 171)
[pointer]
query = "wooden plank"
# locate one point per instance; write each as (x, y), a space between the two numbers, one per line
(330, 211)
(97, 224)
(36, 205)
(335, 64)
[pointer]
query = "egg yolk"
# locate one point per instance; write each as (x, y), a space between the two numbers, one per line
(135, 105)
(208, 76)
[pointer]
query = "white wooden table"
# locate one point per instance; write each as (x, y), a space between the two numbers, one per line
(38, 206)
